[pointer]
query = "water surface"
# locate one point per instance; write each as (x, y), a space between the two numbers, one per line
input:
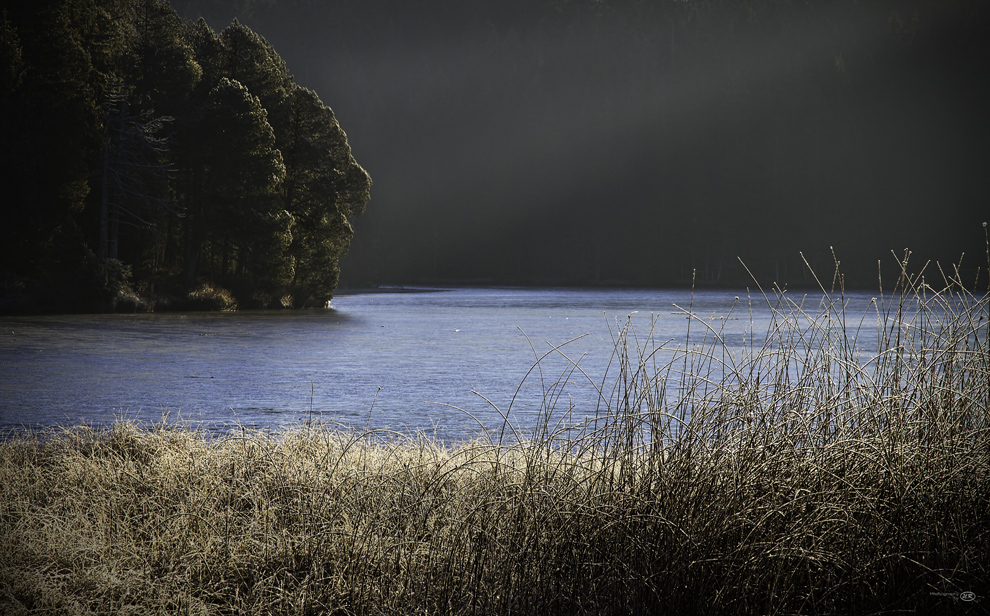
(395, 360)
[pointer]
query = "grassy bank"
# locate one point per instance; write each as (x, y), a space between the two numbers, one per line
(809, 476)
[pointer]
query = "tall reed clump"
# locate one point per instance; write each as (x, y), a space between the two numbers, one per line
(808, 475)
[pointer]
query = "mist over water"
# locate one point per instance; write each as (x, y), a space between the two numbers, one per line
(400, 361)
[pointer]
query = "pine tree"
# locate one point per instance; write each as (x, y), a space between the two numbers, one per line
(161, 65)
(237, 214)
(318, 167)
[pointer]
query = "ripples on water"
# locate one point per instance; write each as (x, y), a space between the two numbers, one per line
(396, 360)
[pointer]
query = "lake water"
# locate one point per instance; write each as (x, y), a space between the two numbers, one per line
(395, 360)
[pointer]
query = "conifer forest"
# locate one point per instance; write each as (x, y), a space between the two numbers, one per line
(151, 159)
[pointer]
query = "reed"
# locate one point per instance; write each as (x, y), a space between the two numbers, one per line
(808, 475)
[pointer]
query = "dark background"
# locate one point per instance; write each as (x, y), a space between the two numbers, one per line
(628, 142)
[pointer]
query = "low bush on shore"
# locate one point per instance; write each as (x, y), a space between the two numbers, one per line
(808, 476)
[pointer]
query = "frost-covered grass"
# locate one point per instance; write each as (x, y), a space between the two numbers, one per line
(808, 477)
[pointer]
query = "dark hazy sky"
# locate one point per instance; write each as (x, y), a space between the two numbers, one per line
(545, 142)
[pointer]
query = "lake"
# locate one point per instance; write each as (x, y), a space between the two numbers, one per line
(405, 360)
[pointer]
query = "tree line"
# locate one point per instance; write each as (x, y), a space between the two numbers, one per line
(153, 162)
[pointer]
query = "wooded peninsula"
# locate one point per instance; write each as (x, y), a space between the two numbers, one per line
(154, 163)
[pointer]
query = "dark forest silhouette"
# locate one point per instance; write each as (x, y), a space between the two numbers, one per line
(150, 161)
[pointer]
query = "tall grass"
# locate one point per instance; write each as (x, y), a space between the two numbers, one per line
(808, 475)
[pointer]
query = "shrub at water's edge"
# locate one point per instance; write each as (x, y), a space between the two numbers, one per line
(808, 476)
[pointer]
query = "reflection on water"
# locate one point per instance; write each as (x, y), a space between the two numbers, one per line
(402, 361)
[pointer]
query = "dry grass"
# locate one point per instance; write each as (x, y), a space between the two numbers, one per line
(810, 476)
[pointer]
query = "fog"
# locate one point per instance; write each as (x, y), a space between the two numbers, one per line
(649, 144)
